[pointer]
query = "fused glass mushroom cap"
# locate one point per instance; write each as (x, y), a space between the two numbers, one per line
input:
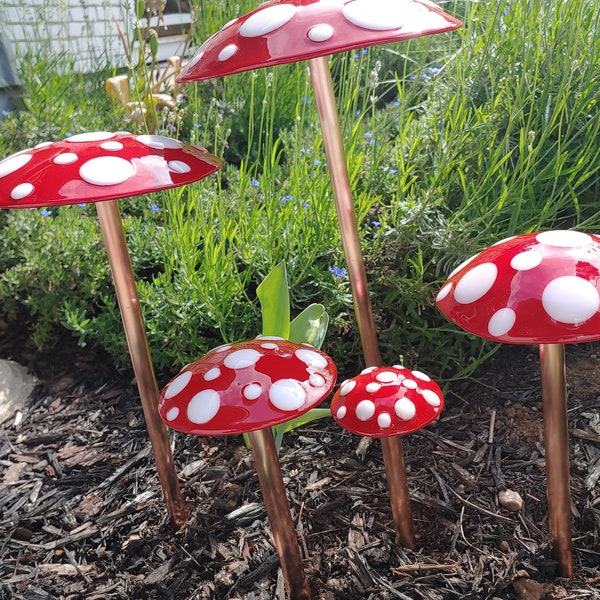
(246, 387)
(538, 288)
(387, 401)
(285, 31)
(101, 165)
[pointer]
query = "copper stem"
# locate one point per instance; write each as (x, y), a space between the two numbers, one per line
(278, 511)
(556, 443)
(120, 265)
(336, 160)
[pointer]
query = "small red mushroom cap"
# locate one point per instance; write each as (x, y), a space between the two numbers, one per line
(285, 31)
(90, 167)
(246, 387)
(537, 288)
(387, 401)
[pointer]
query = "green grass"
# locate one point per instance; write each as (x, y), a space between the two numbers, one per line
(453, 141)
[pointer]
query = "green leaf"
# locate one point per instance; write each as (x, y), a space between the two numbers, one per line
(310, 326)
(273, 295)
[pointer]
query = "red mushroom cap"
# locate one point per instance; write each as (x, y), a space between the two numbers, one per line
(537, 288)
(387, 401)
(90, 167)
(247, 386)
(285, 31)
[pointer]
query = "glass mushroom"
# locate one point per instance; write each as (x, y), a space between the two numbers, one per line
(248, 388)
(538, 288)
(103, 167)
(285, 31)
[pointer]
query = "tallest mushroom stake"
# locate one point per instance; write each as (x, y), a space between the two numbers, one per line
(286, 31)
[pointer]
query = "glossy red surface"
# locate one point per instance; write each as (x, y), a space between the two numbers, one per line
(387, 401)
(285, 31)
(99, 166)
(538, 288)
(247, 386)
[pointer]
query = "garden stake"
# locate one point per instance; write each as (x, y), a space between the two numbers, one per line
(285, 31)
(248, 388)
(538, 288)
(102, 167)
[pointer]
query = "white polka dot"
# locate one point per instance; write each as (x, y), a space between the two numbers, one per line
(66, 158)
(21, 191)
(43, 145)
(341, 412)
(106, 170)
(347, 387)
(316, 380)
(211, 374)
(287, 394)
(194, 60)
(373, 387)
(111, 146)
(463, 265)
(269, 346)
(409, 384)
(564, 239)
(405, 409)
(240, 359)
(431, 398)
(365, 409)
(92, 136)
(378, 15)
(512, 237)
(526, 260)
(222, 348)
(320, 33)
(443, 292)
(384, 420)
(178, 166)
(252, 391)
(421, 376)
(386, 376)
(13, 163)
(203, 406)
(172, 413)
(502, 322)
(267, 20)
(178, 384)
(367, 370)
(311, 358)
(476, 283)
(227, 52)
(399, 367)
(570, 299)
(158, 142)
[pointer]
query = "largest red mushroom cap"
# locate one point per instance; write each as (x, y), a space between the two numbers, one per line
(285, 31)
(246, 387)
(537, 288)
(99, 166)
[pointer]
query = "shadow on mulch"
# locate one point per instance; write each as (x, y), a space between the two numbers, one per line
(81, 513)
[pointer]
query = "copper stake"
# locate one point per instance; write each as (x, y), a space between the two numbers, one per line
(278, 511)
(120, 265)
(336, 160)
(556, 443)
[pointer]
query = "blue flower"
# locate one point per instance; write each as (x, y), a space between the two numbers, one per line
(5, 113)
(393, 171)
(171, 127)
(154, 208)
(254, 182)
(316, 162)
(305, 204)
(68, 134)
(305, 99)
(45, 212)
(337, 271)
(83, 205)
(285, 199)
(198, 125)
(303, 150)
(358, 112)
(396, 102)
(376, 224)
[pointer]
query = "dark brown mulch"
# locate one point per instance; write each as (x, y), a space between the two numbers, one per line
(81, 515)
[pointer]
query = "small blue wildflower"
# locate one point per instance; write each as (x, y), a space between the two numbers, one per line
(303, 150)
(68, 134)
(198, 125)
(337, 271)
(358, 112)
(305, 99)
(396, 102)
(254, 182)
(171, 127)
(45, 212)
(376, 224)
(316, 162)
(285, 199)
(83, 205)
(393, 171)
(154, 207)
(5, 113)
(369, 137)
(305, 204)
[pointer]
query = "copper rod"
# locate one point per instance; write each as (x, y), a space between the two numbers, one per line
(556, 443)
(338, 170)
(278, 511)
(135, 332)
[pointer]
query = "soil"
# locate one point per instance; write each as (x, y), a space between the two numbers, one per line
(82, 517)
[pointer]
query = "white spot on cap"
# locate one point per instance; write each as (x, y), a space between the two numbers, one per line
(106, 170)
(269, 346)
(158, 142)
(420, 375)
(476, 283)
(405, 409)
(341, 412)
(367, 370)
(410, 384)
(195, 59)
(316, 380)
(347, 387)
(203, 406)
(252, 391)
(570, 299)
(287, 394)
(365, 409)
(21, 191)
(227, 52)
(525, 261)
(267, 20)
(431, 398)
(373, 387)
(444, 292)
(13, 163)
(92, 136)
(512, 237)
(178, 384)
(172, 413)
(222, 348)
(384, 420)
(378, 15)
(111, 146)
(320, 33)
(66, 158)
(43, 145)
(501, 322)
(386, 376)
(179, 166)
(211, 374)
(240, 359)
(564, 238)
(311, 358)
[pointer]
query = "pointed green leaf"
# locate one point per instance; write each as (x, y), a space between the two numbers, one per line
(310, 326)
(273, 295)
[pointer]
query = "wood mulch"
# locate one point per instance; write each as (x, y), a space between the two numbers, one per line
(81, 513)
